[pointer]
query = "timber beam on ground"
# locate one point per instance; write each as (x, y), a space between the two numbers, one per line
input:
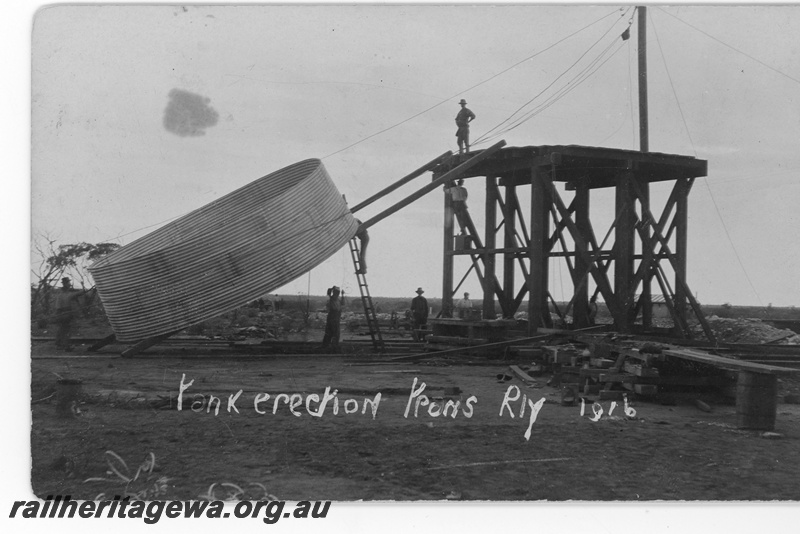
(94, 347)
(145, 344)
(497, 344)
(727, 363)
(733, 348)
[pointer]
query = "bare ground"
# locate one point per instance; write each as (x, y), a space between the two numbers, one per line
(664, 452)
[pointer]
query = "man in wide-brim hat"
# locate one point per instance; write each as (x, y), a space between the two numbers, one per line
(464, 117)
(419, 311)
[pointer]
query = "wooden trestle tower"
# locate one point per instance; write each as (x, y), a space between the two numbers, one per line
(624, 270)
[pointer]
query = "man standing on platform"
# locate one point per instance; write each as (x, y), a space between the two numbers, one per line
(464, 117)
(419, 312)
(459, 195)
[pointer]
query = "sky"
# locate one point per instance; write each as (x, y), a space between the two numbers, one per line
(273, 85)
(104, 91)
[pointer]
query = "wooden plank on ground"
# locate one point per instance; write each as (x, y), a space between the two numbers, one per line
(611, 395)
(592, 372)
(645, 357)
(638, 370)
(617, 377)
(727, 363)
(145, 344)
(564, 332)
(94, 347)
(457, 340)
(620, 361)
(522, 375)
(688, 380)
(645, 389)
(423, 355)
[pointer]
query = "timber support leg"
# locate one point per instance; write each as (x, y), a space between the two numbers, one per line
(145, 344)
(102, 343)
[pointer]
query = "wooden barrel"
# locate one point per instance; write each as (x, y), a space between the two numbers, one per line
(756, 400)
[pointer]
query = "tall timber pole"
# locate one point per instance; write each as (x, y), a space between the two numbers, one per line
(644, 146)
(644, 140)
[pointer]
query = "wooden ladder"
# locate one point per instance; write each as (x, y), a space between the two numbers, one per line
(366, 299)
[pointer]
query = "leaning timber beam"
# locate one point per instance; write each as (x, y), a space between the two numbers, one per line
(402, 181)
(443, 179)
(678, 319)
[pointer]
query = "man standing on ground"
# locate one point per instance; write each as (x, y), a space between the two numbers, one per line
(419, 311)
(464, 307)
(334, 308)
(464, 117)
(65, 313)
(592, 310)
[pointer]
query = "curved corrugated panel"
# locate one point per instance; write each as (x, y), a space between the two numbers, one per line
(225, 254)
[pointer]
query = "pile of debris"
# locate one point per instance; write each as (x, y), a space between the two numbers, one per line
(751, 331)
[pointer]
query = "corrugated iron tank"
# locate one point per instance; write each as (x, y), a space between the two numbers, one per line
(225, 254)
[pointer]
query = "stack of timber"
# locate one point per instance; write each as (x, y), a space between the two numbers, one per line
(609, 370)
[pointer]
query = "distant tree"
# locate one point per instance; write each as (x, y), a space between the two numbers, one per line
(58, 261)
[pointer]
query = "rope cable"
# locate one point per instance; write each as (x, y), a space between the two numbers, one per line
(483, 137)
(770, 67)
(570, 86)
(561, 93)
(577, 80)
(469, 88)
(705, 179)
(580, 30)
(671, 84)
(630, 99)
